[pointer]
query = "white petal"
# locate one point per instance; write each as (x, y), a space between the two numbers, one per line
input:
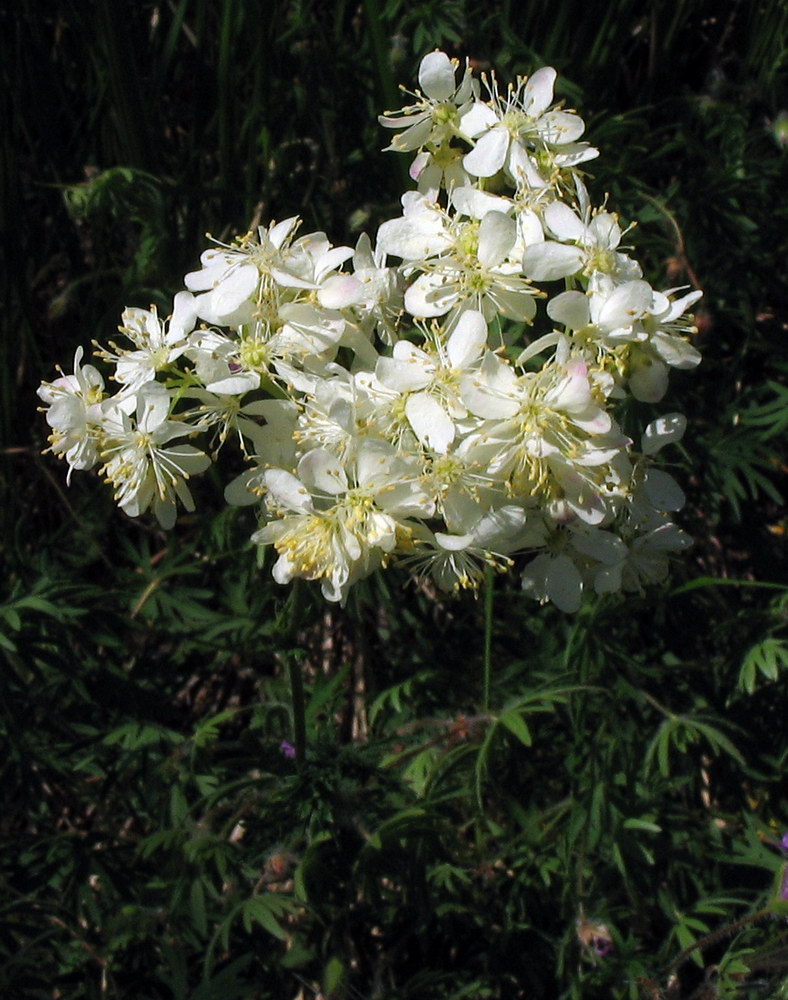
(401, 376)
(235, 385)
(488, 155)
(431, 295)
(413, 137)
(513, 303)
(565, 223)
(625, 304)
(340, 291)
(476, 204)
(662, 431)
(497, 233)
(529, 227)
(467, 340)
(649, 381)
(413, 236)
(430, 422)
(322, 471)
(564, 584)
(675, 351)
(549, 261)
(569, 309)
(560, 127)
(436, 76)
(603, 546)
(663, 490)
(538, 93)
(288, 491)
(477, 119)
(184, 316)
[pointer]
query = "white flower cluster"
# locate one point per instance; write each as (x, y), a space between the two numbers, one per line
(387, 411)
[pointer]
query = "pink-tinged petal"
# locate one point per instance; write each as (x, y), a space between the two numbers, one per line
(573, 392)
(436, 76)
(563, 222)
(340, 291)
(538, 93)
(662, 431)
(550, 261)
(420, 161)
(593, 420)
(488, 155)
(430, 422)
(322, 471)
(468, 339)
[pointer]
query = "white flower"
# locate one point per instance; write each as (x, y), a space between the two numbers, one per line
(335, 523)
(75, 415)
(434, 118)
(157, 344)
(516, 124)
(234, 279)
(466, 264)
(143, 466)
(587, 248)
(431, 379)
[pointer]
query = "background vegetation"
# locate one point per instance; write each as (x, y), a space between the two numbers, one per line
(628, 772)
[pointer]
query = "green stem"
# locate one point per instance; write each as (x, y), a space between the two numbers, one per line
(295, 659)
(299, 719)
(489, 578)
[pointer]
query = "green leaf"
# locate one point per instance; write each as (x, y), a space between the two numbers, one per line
(197, 907)
(515, 723)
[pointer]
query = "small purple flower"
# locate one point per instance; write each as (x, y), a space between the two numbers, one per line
(287, 749)
(603, 946)
(784, 842)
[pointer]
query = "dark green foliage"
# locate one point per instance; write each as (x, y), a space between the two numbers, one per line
(156, 841)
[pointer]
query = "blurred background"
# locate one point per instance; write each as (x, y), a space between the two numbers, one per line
(142, 692)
